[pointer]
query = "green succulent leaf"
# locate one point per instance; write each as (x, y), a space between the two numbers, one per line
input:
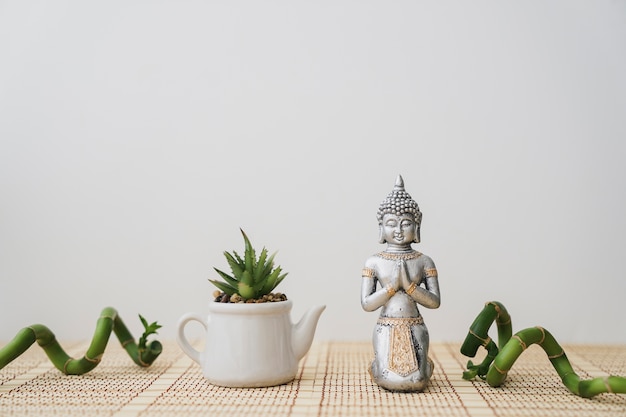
(247, 278)
(280, 279)
(260, 265)
(233, 282)
(246, 291)
(251, 277)
(240, 261)
(224, 287)
(259, 285)
(271, 280)
(236, 267)
(249, 254)
(269, 264)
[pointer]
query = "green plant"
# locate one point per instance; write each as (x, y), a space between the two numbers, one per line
(148, 330)
(251, 277)
(501, 357)
(109, 321)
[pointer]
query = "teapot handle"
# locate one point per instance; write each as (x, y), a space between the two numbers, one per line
(182, 339)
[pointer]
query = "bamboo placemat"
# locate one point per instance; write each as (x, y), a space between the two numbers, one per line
(332, 381)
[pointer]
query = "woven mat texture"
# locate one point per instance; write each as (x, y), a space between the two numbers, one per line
(332, 381)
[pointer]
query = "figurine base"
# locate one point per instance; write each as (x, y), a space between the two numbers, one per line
(398, 383)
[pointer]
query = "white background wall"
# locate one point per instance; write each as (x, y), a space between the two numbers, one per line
(136, 137)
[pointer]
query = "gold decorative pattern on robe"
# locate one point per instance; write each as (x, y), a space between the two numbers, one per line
(402, 357)
(368, 273)
(430, 272)
(399, 256)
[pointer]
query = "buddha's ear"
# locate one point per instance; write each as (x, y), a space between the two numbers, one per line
(381, 238)
(418, 226)
(417, 233)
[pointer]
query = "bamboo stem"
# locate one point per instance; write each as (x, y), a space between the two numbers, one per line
(108, 321)
(499, 361)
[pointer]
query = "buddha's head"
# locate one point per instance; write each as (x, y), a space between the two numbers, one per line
(399, 217)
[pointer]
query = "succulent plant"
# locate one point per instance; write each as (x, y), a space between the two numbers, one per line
(251, 277)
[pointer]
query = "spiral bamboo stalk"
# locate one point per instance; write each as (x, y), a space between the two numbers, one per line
(501, 358)
(109, 321)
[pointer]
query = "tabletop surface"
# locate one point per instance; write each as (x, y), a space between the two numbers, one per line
(332, 381)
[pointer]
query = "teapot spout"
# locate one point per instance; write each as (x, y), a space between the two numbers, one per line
(302, 333)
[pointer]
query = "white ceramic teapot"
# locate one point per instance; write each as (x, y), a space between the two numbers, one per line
(251, 345)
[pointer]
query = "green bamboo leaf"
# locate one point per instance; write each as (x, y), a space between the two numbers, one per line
(148, 330)
(469, 375)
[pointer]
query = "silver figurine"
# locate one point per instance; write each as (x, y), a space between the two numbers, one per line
(407, 278)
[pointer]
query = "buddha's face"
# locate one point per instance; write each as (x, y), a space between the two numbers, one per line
(398, 230)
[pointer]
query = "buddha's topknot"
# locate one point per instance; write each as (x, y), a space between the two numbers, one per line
(399, 202)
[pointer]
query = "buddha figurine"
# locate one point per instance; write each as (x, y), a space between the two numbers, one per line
(397, 280)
